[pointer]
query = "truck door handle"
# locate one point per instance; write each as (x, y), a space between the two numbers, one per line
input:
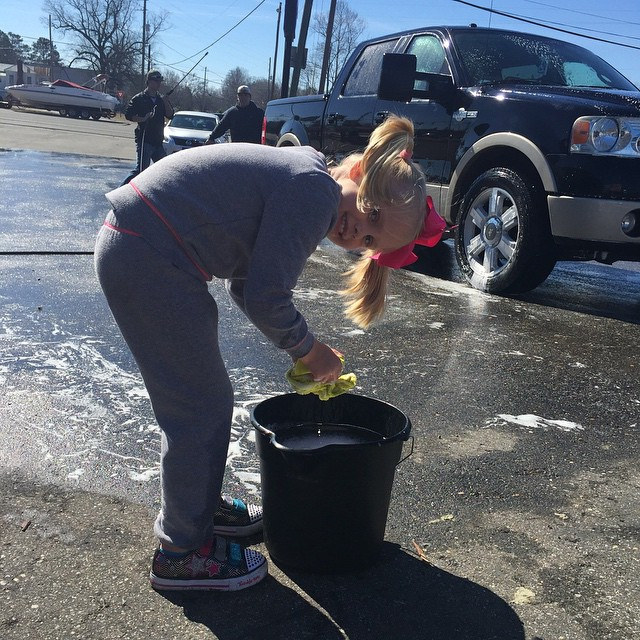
(333, 118)
(380, 117)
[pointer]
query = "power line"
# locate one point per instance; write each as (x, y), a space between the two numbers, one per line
(583, 13)
(546, 26)
(223, 35)
(159, 58)
(192, 74)
(47, 39)
(609, 33)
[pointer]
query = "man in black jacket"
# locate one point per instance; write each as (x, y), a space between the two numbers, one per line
(149, 109)
(244, 120)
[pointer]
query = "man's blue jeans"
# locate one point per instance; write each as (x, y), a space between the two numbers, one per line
(144, 155)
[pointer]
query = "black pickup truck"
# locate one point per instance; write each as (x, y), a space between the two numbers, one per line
(530, 145)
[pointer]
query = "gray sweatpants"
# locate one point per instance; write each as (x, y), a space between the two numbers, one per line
(170, 322)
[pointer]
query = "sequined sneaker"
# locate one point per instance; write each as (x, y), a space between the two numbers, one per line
(220, 565)
(236, 518)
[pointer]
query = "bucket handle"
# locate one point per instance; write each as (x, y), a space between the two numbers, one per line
(282, 448)
(273, 441)
(410, 452)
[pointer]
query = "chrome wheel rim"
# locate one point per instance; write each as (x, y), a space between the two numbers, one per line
(490, 233)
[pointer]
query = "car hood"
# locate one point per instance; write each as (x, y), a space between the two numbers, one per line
(595, 101)
(195, 134)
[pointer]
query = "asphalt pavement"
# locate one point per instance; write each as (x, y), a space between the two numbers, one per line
(516, 517)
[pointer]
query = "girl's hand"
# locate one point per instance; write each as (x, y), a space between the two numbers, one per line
(323, 362)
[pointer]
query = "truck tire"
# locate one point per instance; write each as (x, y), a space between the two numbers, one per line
(85, 114)
(503, 240)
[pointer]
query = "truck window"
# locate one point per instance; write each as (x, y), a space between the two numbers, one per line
(581, 75)
(365, 75)
(490, 58)
(430, 57)
(429, 53)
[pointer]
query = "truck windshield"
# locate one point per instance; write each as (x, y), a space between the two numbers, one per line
(501, 57)
(200, 123)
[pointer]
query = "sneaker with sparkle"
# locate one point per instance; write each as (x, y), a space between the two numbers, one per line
(220, 565)
(234, 517)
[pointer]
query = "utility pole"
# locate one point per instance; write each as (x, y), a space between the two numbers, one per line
(144, 33)
(51, 78)
(204, 90)
(289, 28)
(275, 55)
(327, 46)
(302, 41)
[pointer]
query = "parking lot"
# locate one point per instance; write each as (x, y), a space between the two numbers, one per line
(516, 517)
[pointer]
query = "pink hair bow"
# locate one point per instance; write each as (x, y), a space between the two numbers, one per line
(430, 235)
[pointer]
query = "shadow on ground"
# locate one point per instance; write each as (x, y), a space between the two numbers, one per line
(584, 287)
(400, 597)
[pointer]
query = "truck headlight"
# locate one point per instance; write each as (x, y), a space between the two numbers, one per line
(605, 135)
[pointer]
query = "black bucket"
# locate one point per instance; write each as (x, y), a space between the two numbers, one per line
(325, 505)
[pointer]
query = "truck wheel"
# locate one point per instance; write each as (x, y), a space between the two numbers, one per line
(73, 113)
(95, 116)
(503, 240)
(63, 112)
(85, 114)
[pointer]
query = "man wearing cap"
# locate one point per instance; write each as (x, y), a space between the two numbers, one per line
(244, 120)
(149, 109)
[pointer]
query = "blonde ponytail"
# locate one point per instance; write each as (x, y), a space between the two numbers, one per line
(386, 177)
(387, 181)
(366, 291)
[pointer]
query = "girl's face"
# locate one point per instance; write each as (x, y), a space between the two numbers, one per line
(357, 229)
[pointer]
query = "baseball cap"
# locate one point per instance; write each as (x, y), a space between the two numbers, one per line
(244, 89)
(154, 74)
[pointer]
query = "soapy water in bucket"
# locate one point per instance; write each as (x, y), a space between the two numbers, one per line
(307, 436)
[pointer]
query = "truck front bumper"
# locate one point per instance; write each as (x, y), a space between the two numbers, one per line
(593, 219)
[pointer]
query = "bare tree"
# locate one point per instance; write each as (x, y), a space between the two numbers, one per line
(260, 91)
(348, 28)
(236, 77)
(232, 80)
(102, 34)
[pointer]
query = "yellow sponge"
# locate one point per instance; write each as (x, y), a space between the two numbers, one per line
(302, 382)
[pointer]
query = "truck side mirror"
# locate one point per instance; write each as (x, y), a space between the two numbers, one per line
(397, 77)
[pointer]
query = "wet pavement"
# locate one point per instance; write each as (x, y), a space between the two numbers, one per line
(517, 516)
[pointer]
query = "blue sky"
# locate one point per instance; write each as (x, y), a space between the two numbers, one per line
(195, 24)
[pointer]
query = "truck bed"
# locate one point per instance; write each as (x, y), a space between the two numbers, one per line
(301, 116)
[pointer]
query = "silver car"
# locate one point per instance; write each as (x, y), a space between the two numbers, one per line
(188, 129)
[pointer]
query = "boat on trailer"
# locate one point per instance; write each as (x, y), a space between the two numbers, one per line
(67, 98)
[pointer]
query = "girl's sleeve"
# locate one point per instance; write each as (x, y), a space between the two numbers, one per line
(296, 217)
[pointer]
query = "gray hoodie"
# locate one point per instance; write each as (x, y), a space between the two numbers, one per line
(248, 213)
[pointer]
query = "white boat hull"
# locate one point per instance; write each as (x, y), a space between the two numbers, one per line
(63, 98)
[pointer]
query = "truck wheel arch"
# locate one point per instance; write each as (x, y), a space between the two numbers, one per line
(288, 140)
(475, 161)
